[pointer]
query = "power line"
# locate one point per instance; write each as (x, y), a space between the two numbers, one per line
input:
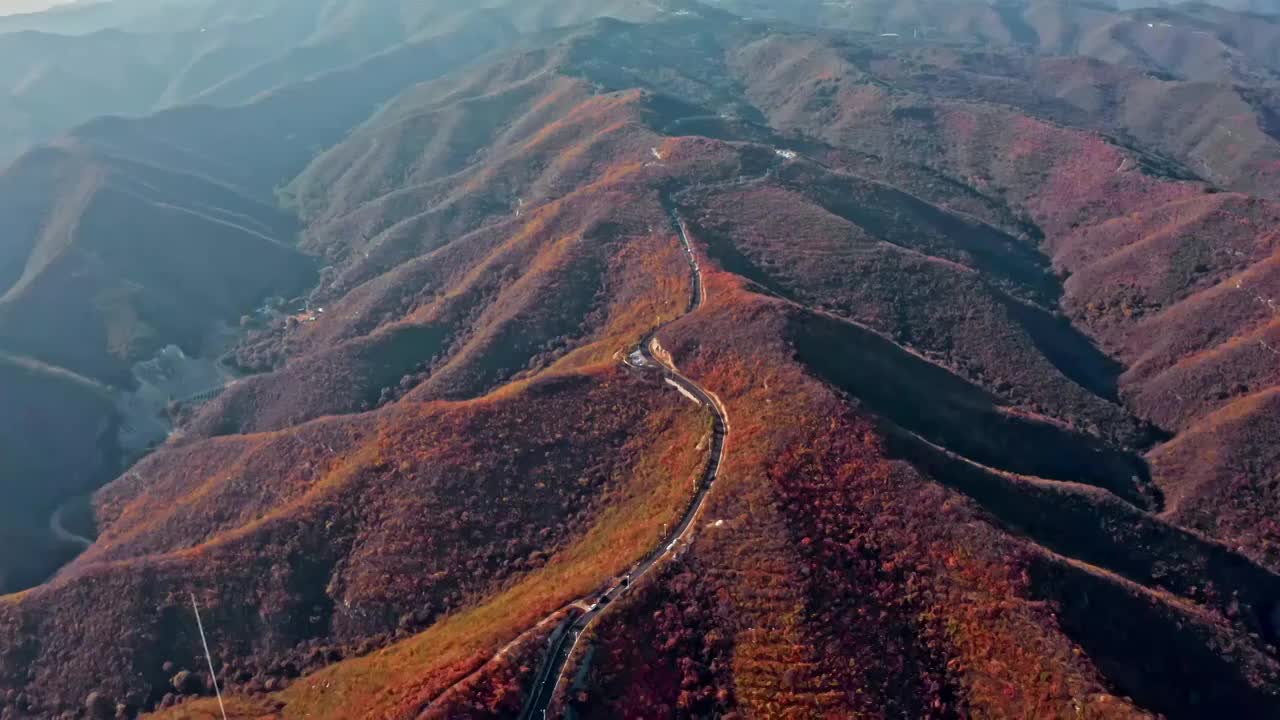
(208, 657)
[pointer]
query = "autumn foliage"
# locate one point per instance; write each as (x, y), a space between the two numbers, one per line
(999, 391)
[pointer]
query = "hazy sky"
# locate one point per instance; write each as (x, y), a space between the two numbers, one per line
(9, 7)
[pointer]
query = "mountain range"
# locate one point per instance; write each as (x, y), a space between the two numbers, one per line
(640, 359)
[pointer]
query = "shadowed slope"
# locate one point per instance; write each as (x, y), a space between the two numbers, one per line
(125, 258)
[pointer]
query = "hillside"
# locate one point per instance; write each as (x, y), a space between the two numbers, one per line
(682, 366)
(125, 258)
(56, 443)
(1190, 41)
(107, 262)
(1127, 229)
(190, 192)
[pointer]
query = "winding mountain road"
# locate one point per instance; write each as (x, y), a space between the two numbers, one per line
(565, 639)
(61, 532)
(580, 613)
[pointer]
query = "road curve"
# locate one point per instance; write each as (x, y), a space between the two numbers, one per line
(61, 532)
(578, 613)
(566, 637)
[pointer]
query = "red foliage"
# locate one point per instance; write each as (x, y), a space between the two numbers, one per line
(330, 539)
(660, 653)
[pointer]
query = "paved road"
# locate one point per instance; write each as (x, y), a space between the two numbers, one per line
(206, 394)
(580, 613)
(566, 637)
(61, 532)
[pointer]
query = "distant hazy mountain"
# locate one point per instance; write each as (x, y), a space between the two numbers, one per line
(1268, 7)
(131, 57)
